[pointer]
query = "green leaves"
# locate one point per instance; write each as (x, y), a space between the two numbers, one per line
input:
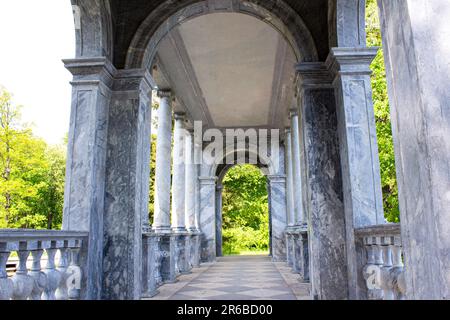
(32, 174)
(245, 210)
(382, 116)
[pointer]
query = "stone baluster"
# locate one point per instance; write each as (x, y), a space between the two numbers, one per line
(61, 291)
(36, 272)
(159, 255)
(386, 280)
(23, 283)
(53, 275)
(372, 269)
(74, 272)
(149, 286)
(398, 269)
(187, 252)
(6, 284)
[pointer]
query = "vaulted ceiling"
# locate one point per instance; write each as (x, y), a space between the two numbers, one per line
(226, 69)
(229, 70)
(128, 15)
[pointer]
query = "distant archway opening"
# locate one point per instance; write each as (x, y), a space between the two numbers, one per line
(243, 218)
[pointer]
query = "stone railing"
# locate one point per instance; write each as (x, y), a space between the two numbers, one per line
(298, 251)
(383, 269)
(166, 256)
(32, 281)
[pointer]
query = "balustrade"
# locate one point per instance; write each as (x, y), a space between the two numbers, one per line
(31, 281)
(383, 269)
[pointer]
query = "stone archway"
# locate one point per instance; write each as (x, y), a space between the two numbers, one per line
(106, 193)
(275, 173)
(221, 174)
(157, 25)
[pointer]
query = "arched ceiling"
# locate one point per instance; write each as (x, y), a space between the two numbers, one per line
(228, 70)
(128, 15)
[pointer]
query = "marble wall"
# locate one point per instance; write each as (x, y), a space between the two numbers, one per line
(417, 50)
(327, 240)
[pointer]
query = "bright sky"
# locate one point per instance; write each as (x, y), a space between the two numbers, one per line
(34, 37)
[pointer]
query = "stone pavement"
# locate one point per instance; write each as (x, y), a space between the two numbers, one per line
(238, 278)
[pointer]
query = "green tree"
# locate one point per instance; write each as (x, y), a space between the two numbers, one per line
(32, 174)
(382, 115)
(245, 210)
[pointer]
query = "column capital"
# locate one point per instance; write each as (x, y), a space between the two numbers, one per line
(314, 74)
(276, 178)
(207, 180)
(91, 71)
(293, 112)
(351, 61)
(179, 116)
(164, 93)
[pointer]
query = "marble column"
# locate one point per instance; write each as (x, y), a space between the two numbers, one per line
(289, 180)
(361, 179)
(417, 50)
(191, 176)
(289, 199)
(84, 201)
(208, 218)
(127, 184)
(277, 186)
(326, 220)
(161, 223)
(179, 175)
(219, 190)
(107, 170)
(296, 169)
(197, 156)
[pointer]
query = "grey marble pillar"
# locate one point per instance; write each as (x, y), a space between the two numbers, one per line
(127, 175)
(208, 218)
(84, 201)
(289, 180)
(296, 169)
(219, 190)
(361, 179)
(162, 221)
(277, 186)
(107, 170)
(357, 134)
(191, 176)
(417, 51)
(179, 175)
(197, 156)
(326, 221)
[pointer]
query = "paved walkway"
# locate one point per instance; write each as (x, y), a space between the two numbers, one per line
(238, 278)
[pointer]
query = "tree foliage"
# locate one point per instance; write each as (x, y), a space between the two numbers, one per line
(382, 116)
(32, 174)
(245, 210)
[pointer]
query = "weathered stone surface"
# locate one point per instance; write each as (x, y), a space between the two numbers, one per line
(277, 185)
(299, 215)
(328, 268)
(86, 160)
(162, 221)
(416, 46)
(289, 180)
(208, 218)
(126, 189)
(179, 176)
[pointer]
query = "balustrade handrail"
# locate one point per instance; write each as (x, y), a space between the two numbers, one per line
(14, 235)
(379, 230)
(383, 269)
(61, 281)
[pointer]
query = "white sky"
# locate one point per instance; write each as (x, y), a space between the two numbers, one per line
(34, 37)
